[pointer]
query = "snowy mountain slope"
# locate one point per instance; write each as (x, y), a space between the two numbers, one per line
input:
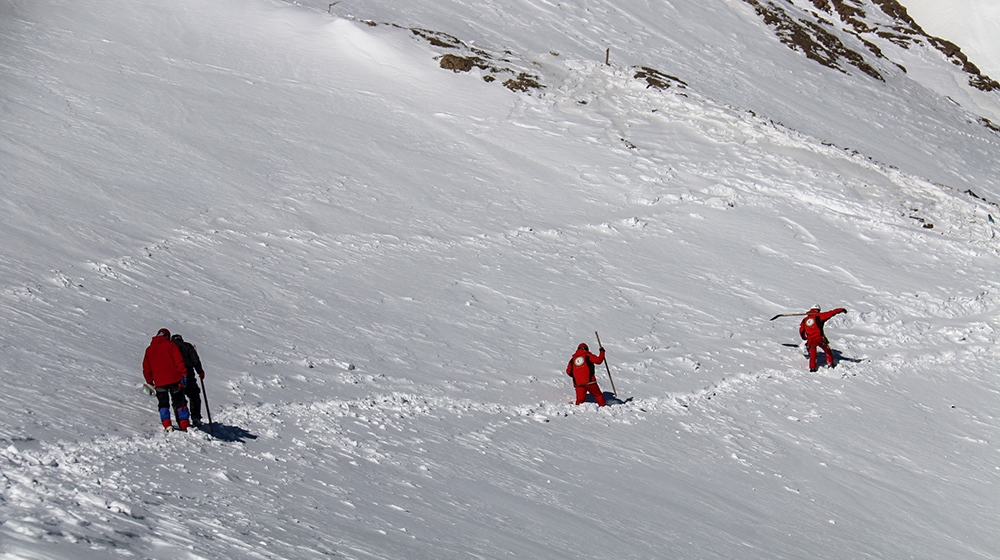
(386, 266)
(973, 24)
(725, 49)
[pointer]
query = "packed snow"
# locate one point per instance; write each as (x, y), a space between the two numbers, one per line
(385, 266)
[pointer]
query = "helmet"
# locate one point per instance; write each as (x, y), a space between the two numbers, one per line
(814, 308)
(583, 346)
(163, 332)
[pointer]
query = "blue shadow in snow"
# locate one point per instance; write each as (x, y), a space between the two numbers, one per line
(225, 432)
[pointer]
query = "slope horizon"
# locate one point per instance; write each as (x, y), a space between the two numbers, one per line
(973, 24)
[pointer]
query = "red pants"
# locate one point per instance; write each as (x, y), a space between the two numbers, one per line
(593, 389)
(812, 355)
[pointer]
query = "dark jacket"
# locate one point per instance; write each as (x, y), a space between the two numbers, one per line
(191, 360)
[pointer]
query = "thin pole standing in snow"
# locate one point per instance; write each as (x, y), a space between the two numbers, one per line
(606, 366)
(204, 395)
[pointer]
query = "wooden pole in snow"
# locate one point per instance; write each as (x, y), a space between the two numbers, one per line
(606, 366)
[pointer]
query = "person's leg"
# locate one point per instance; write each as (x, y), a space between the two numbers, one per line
(581, 394)
(829, 355)
(812, 358)
(181, 408)
(598, 395)
(163, 402)
(193, 393)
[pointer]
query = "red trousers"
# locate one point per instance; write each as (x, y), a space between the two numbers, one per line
(812, 355)
(593, 389)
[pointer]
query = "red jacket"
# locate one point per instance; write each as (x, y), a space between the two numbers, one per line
(163, 363)
(811, 328)
(581, 366)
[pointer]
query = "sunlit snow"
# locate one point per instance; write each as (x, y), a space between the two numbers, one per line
(386, 265)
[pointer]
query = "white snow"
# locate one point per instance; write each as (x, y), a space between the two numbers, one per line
(386, 265)
(974, 25)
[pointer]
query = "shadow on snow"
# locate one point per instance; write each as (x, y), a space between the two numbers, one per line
(228, 433)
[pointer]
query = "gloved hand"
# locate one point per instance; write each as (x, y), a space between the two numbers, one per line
(601, 349)
(201, 375)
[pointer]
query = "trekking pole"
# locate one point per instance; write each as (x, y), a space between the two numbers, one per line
(606, 366)
(204, 396)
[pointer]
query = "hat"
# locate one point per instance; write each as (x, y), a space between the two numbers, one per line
(583, 346)
(176, 338)
(163, 332)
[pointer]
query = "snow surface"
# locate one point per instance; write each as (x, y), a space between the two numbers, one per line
(385, 266)
(974, 25)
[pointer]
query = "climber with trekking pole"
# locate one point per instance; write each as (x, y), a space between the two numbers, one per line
(581, 369)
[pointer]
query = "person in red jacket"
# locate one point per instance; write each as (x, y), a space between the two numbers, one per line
(811, 331)
(163, 368)
(581, 369)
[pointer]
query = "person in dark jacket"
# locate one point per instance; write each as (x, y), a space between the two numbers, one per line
(163, 368)
(581, 369)
(811, 331)
(193, 364)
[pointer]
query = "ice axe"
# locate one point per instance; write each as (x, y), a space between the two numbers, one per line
(606, 366)
(789, 315)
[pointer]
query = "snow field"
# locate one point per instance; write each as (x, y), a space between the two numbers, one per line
(386, 267)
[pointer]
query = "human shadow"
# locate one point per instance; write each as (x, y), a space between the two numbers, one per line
(609, 399)
(612, 400)
(842, 358)
(224, 432)
(838, 356)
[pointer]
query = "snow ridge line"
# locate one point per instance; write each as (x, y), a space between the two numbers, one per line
(89, 459)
